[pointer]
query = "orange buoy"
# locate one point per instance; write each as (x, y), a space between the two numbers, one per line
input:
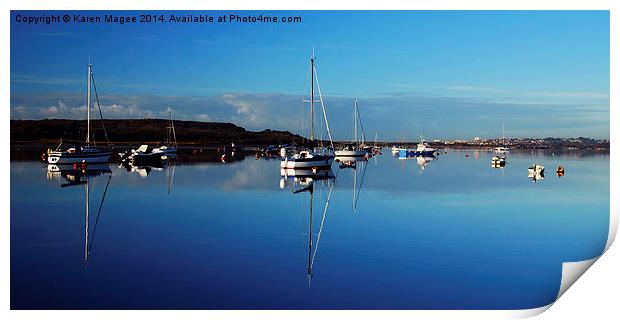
(560, 171)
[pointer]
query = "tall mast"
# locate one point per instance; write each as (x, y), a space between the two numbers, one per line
(329, 134)
(355, 121)
(361, 125)
(88, 105)
(503, 135)
(312, 96)
(169, 127)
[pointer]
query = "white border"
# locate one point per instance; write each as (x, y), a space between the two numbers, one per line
(571, 270)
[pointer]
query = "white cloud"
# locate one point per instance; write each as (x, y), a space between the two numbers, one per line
(203, 117)
(444, 116)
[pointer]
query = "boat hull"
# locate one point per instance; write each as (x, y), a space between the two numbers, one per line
(416, 153)
(350, 159)
(314, 162)
(78, 157)
(351, 153)
(70, 168)
(150, 158)
(308, 173)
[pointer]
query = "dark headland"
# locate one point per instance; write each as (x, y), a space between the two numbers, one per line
(147, 131)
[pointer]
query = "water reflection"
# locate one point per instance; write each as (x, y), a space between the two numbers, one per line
(308, 184)
(422, 161)
(259, 231)
(358, 165)
(77, 175)
(144, 170)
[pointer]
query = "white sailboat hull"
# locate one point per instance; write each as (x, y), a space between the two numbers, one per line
(315, 162)
(351, 153)
(78, 157)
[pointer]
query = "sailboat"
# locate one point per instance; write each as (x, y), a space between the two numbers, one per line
(88, 153)
(376, 149)
(356, 147)
(320, 157)
(502, 148)
(170, 147)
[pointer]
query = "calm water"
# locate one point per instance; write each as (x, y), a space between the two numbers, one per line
(457, 234)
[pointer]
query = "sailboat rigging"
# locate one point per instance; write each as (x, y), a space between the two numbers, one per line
(315, 157)
(502, 148)
(83, 154)
(356, 147)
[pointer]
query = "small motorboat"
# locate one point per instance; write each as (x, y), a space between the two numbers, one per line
(423, 149)
(498, 161)
(536, 172)
(143, 155)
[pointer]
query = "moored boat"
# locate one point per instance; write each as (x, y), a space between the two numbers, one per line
(498, 161)
(423, 149)
(318, 156)
(82, 153)
(356, 148)
(502, 148)
(536, 172)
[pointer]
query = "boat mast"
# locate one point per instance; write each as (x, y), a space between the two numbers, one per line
(318, 86)
(355, 122)
(88, 105)
(359, 119)
(169, 133)
(312, 96)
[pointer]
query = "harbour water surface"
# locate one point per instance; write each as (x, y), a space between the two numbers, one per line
(452, 233)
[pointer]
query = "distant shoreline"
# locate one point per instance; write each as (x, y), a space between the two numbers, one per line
(195, 134)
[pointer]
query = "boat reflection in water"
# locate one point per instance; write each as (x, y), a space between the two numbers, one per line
(314, 183)
(144, 171)
(359, 165)
(422, 161)
(77, 175)
(536, 172)
(304, 176)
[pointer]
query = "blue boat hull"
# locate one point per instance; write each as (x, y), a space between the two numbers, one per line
(414, 153)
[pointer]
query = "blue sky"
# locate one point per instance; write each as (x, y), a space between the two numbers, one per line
(442, 74)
